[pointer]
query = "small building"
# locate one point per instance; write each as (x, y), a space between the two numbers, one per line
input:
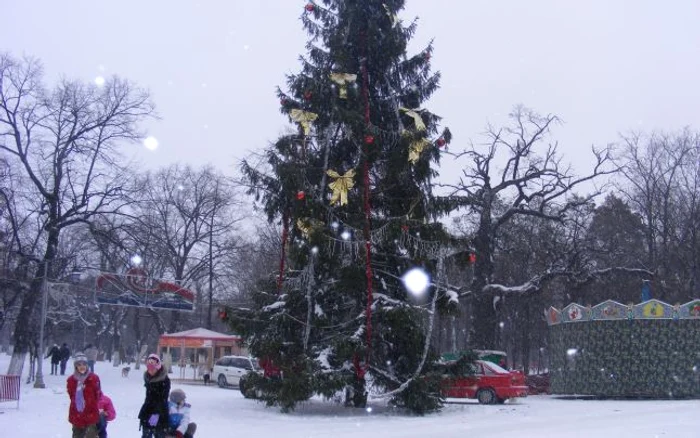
(195, 351)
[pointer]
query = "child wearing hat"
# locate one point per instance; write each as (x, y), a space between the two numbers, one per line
(84, 391)
(179, 411)
(153, 416)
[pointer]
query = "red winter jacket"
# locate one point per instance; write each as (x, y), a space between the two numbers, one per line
(91, 394)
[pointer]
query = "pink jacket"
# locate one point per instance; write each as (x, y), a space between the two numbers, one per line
(105, 404)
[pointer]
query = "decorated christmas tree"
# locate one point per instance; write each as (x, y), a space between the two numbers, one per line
(352, 192)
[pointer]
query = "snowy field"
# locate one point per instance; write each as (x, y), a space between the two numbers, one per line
(219, 412)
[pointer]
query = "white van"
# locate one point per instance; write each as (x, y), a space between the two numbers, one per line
(228, 370)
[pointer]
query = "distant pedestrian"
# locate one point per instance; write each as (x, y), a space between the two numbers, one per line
(107, 413)
(91, 354)
(84, 391)
(65, 355)
(55, 354)
(153, 416)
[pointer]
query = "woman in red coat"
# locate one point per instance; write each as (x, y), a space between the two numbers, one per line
(84, 392)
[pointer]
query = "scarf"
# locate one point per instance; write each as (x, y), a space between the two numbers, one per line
(79, 396)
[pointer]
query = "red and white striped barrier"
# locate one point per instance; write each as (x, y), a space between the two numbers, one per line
(9, 389)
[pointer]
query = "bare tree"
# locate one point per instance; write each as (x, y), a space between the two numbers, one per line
(531, 182)
(186, 222)
(66, 143)
(661, 180)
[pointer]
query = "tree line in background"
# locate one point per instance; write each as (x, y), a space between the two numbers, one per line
(516, 232)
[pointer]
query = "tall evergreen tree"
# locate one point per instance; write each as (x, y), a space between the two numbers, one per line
(352, 191)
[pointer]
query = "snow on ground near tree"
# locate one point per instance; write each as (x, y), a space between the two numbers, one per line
(224, 412)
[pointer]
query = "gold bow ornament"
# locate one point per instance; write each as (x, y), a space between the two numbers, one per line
(341, 185)
(343, 79)
(417, 119)
(416, 149)
(304, 118)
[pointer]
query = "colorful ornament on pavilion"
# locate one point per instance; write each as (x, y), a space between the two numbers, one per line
(341, 185)
(416, 148)
(301, 195)
(309, 7)
(304, 118)
(417, 119)
(440, 142)
(343, 79)
(369, 139)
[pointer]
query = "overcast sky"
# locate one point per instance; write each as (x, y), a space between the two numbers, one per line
(604, 66)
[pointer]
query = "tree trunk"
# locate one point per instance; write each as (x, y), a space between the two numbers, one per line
(26, 327)
(484, 324)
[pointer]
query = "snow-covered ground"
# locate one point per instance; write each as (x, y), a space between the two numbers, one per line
(43, 413)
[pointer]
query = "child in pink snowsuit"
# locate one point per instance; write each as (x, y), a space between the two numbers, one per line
(107, 413)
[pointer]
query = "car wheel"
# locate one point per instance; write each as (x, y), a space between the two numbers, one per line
(486, 396)
(221, 381)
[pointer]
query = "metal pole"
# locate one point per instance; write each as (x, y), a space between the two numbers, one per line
(39, 380)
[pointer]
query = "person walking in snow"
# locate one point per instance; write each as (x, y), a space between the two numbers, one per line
(65, 355)
(91, 354)
(55, 354)
(179, 412)
(84, 391)
(153, 416)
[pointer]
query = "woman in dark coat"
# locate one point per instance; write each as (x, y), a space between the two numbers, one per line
(55, 354)
(153, 416)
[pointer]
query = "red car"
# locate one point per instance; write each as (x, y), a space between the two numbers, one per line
(489, 384)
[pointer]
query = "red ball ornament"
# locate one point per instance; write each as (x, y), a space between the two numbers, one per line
(472, 258)
(404, 228)
(427, 56)
(309, 7)
(307, 95)
(301, 195)
(283, 101)
(441, 142)
(369, 139)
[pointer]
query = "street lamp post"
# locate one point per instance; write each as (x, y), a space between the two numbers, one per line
(39, 379)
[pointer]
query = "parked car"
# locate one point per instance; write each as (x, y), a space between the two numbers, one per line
(489, 384)
(228, 370)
